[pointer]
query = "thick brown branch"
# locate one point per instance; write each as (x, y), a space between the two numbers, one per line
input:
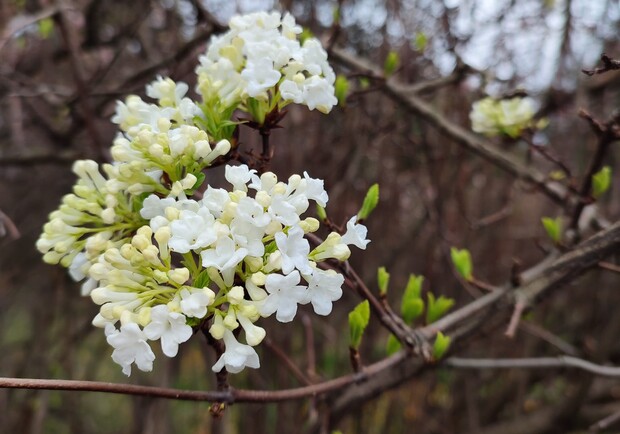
(549, 274)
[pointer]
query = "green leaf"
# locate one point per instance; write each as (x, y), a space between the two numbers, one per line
(420, 41)
(441, 345)
(202, 280)
(46, 27)
(336, 14)
(370, 202)
(436, 308)
(341, 87)
(270, 248)
(462, 262)
(392, 61)
(358, 320)
(412, 305)
(306, 34)
(200, 178)
(321, 213)
(601, 181)
(414, 286)
(553, 228)
(392, 345)
(192, 322)
(411, 309)
(383, 280)
(364, 83)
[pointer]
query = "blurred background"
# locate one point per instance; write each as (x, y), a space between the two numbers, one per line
(64, 64)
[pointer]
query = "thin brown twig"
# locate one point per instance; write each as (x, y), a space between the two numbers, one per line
(547, 336)
(609, 64)
(606, 134)
(605, 422)
(515, 319)
(609, 266)
(290, 365)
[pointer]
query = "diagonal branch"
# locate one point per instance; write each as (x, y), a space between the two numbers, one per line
(400, 93)
(549, 274)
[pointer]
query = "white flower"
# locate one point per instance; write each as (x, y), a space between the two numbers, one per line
(194, 301)
(284, 212)
(192, 231)
(239, 176)
(237, 356)
(260, 76)
(356, 234)
(507, 116)
(130, 346)
(284, 295)
(170, 327)
(294, 249)
(314, 190)
(319, 94)
(324, 287)
(251, 211)
(215, 199)
(248, 236)
(225, 257)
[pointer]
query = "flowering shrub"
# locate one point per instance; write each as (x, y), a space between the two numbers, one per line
(162, 258)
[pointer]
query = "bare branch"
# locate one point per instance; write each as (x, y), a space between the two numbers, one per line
(609, 64)
(400, 93)
(534, 363)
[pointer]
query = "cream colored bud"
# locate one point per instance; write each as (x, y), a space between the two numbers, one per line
(310, 224)
(258, 279)
(189, 181)
(268, 180)
(172, 213)
(217, 329)
(279, 188)
(140, 242)
(254, 263)
(179, 275)
(273, 227)
(163, 124)
(151, 254)
(263, 199)
(230, 320)
(294, 180)
(274, 262)
(235, 295)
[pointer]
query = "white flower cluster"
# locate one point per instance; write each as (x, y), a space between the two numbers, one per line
(160, 264)
(261, 57)
(510, 117)
(249, 248)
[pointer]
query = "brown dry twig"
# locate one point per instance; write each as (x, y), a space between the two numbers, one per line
(609, 64)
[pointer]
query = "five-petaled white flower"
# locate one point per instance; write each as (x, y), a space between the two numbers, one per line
(168, 326)
(237, 356)
(130, 346)
(284, 295)
(294, 249)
